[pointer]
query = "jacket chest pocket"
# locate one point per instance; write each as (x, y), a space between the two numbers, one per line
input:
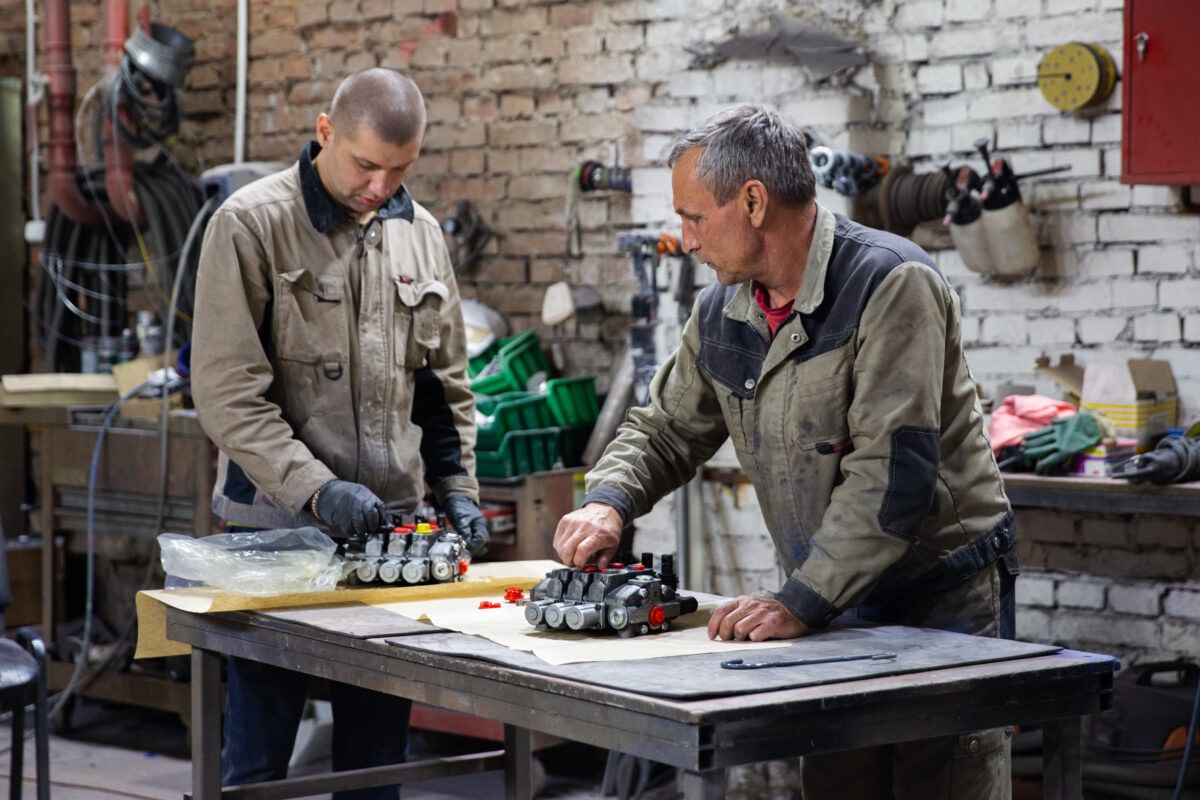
(818, 404)
(309, 319)
(417, 321)
(816, 437)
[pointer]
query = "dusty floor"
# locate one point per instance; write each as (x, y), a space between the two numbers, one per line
(117, 751)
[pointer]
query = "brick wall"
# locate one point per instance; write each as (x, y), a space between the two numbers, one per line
(521, 91)
(1124, 584)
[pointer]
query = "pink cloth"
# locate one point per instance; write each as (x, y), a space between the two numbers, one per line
(1019, 414)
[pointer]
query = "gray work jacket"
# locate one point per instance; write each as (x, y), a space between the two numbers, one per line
(858, 424)
(322, 349)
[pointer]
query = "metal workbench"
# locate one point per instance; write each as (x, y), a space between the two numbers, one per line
(127, 490)
(702, 736)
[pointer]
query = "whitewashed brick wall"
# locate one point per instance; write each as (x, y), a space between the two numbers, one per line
(1133, 620)
(1117, 277)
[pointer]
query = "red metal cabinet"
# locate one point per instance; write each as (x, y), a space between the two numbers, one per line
(1160, 140)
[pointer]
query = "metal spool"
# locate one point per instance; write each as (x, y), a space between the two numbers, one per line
(1076, 75)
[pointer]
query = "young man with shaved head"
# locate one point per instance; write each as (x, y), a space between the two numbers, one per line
(831, 355)
(329, 368)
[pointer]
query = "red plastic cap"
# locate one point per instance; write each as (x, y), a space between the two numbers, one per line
(488, 604)
(616, 565)
(589, 568)
(462, 566)
(513, 594)
(657, 615)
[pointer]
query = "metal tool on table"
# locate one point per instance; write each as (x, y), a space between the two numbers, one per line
(737, 663)
(1173, 460)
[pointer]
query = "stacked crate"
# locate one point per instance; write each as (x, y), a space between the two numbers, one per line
(528, 422)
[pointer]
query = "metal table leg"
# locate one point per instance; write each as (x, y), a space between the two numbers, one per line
(518, 763)
(206, 725)
(1062, 777)
(706, 785)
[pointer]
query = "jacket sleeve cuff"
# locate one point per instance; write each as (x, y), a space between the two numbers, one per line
(457, 484)
(612, 496)
(805, 604)
(298, 489)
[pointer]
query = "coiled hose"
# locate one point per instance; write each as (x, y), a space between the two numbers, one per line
(87, 269)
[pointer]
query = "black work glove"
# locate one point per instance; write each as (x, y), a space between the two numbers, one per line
(348, 508)
(468, 521)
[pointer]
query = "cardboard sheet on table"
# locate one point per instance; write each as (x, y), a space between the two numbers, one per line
(701, 675)
(485, 579)
(506, 626)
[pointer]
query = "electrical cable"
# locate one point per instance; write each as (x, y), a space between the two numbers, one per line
(1187, 751)
(188, 263)
(81, 660)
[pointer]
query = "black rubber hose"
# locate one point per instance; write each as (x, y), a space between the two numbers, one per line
(176, 203)
(1160, 776)
(159, 246)
(185, 280)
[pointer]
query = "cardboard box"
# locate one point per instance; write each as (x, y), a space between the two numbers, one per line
(129, 374)
(24, 557)
(1139, 397)
(1067, 374)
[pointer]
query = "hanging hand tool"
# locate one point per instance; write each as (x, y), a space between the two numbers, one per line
(738, 663)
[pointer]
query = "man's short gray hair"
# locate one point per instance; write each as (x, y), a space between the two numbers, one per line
(749, 142)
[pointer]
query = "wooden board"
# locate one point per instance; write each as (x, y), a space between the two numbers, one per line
(57, 389)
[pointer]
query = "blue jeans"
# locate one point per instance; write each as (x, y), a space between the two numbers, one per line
(262, 714)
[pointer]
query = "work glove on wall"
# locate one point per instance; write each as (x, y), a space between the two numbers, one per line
(348, 508)
(1053, 446)
(468, 521)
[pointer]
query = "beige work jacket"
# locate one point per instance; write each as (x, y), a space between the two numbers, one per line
(322, 349)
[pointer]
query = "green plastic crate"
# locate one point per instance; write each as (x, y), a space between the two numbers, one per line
(518, 360)
(513, 411)
(520, 453)
(572, 400)
(480, 362)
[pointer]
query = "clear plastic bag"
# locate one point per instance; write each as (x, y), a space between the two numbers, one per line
(255, 562)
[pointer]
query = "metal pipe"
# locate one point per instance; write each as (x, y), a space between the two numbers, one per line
(34, 87)
(118, 166)
(239, 118)
(60, 73)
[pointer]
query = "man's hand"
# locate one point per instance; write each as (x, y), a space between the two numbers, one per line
(349, 508)
(468, 521)
(593, 531)
(756, 619)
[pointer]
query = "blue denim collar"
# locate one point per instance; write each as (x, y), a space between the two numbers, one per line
(324, 213)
